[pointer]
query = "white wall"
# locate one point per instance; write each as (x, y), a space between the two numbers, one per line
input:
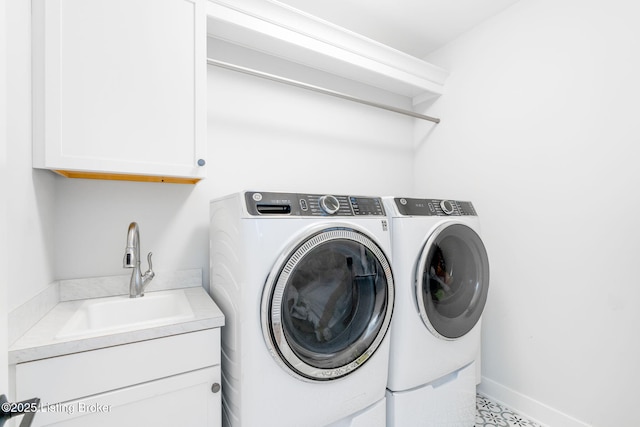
(262, 135)
(4, 386)
(29, 193)
(540, 130)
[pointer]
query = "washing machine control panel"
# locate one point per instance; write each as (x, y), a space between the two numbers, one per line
(294, 204)
(433, 207)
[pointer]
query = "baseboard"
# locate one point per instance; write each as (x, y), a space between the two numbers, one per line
(526, 406)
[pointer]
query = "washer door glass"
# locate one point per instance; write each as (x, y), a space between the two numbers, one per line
(329, 305)
(452, 281)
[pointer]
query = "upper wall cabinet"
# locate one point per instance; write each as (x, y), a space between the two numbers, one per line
(119, 88)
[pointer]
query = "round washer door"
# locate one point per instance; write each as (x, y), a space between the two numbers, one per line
(452, 281)
(327, 304)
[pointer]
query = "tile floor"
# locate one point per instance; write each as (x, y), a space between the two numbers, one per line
(490, 414)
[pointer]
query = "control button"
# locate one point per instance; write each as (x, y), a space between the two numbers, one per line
(329, 204)
(354, 206)
(303, 205)
(447, 207)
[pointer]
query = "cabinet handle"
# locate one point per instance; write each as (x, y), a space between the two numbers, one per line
(26, 407)
(215, 388)
(201, 162)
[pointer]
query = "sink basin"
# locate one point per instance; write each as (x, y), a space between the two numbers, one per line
(118, 314)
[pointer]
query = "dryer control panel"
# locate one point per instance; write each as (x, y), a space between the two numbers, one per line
(294, 204)
(434, 207)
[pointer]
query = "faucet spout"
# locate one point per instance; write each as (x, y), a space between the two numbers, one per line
(132, 260)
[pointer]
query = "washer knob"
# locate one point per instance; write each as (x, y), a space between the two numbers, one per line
(447, 207)
(329, 204)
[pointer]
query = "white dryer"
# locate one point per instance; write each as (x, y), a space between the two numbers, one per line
(305, 283)
(442, 279)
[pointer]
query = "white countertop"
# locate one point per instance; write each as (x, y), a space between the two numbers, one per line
(40, 341)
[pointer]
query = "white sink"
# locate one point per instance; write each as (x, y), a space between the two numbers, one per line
(118, 314)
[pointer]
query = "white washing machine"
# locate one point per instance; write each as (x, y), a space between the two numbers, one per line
(305, 283)
(442, 278)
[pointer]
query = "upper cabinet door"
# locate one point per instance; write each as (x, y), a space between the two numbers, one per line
(120, 88)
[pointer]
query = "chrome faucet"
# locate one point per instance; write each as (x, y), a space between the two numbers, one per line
(132, 260)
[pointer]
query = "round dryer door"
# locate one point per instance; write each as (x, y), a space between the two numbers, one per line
(452, 281)
(327, 304)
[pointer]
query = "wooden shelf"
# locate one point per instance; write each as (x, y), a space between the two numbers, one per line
(127, 177)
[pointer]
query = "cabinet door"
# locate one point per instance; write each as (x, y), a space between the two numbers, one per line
(119, 86)
(188, 399)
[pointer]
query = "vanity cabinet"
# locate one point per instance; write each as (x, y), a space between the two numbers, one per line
(167, 381)
(119, 88)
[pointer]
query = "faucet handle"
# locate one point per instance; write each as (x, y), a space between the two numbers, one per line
(150, 270)
(148, 275)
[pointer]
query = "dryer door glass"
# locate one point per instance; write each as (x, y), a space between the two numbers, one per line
(453, 281)
(329, 304)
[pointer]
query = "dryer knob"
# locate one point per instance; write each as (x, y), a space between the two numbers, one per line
(329, 204)
(447, 207)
